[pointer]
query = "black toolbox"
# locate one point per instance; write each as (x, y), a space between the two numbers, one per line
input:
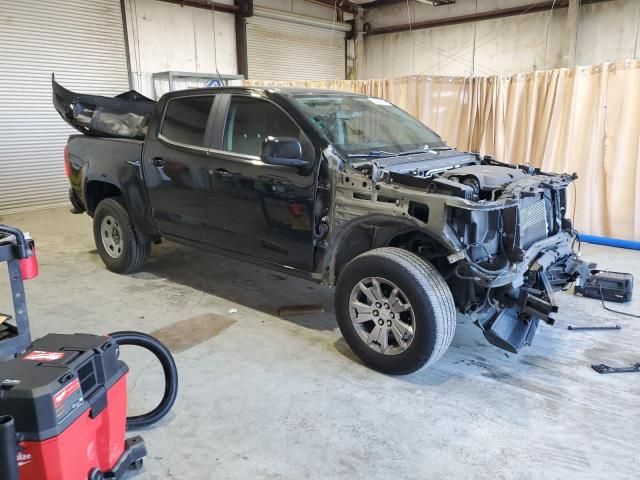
(608, 286)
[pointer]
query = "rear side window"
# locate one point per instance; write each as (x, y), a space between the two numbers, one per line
(185, 120)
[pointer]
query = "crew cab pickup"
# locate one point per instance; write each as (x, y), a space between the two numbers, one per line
(340, 188)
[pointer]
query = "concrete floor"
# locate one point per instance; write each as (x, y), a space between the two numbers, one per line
(263, 397)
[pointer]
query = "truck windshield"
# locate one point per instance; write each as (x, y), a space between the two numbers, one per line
(363, 127)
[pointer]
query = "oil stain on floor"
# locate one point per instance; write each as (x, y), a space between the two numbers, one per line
(185, 334)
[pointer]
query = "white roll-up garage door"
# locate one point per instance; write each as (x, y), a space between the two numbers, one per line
(294, 48)
(83, 42)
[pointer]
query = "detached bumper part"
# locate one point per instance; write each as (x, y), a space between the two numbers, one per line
(514, 327)
(505, 330)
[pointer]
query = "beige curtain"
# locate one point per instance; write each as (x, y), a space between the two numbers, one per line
(584, 120)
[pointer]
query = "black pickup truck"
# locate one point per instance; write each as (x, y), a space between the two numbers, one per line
(340, 188)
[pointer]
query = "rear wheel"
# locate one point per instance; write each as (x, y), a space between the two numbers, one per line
(395, 310)
(116, 241)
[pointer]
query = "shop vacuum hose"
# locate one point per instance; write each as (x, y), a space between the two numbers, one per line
(170, 376)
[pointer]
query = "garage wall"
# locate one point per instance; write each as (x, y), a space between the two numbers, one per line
(606, 32)
(300, 47)
(84, 44)
(164, 36)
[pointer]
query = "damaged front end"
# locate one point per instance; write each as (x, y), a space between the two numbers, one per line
(515, 256)
(496, 232)
(125, 116)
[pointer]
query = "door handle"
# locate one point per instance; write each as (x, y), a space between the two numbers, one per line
(222, 173)
(158, 162)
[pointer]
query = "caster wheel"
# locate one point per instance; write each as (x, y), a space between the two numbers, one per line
(96, 474)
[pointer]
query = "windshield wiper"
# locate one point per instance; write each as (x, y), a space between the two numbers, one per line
(372, 153)
(384, 154)
(424, 150)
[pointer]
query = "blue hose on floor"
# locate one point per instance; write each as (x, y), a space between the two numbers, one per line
(609, 242)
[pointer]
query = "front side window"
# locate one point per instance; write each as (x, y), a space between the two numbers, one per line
(185, 120)
(359, 125)
(251, 120)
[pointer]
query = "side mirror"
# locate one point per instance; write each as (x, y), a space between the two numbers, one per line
(282, 151)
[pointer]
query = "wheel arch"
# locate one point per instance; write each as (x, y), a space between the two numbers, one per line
(96, 191)
(134, 199)
(374, 231)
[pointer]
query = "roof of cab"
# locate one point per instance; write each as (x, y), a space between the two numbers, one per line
(284, 91)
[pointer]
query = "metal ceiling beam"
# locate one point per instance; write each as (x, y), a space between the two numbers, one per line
(384, 3)
(344, 5)
(477, 17)
(204, 4)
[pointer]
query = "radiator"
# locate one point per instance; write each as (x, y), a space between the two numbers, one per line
(533, 223)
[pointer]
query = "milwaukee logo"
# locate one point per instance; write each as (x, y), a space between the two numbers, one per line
(39, 356)
(66, 392)
(23, 459)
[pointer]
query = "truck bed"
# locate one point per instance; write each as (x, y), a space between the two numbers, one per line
(107, 157)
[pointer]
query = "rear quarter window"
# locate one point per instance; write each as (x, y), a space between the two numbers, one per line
(185, 120)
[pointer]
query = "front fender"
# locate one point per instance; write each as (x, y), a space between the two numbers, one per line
(367, 232)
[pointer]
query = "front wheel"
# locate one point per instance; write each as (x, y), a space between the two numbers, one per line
(116, 241)
(395, 310)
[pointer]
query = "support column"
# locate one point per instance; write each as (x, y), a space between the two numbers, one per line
(573, 17)
(244, 10)
(359, 43)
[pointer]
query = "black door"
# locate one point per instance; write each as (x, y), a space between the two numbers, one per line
(265, 211)
(176, 167)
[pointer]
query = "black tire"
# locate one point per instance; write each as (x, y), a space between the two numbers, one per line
(426, 291)
(134, 253)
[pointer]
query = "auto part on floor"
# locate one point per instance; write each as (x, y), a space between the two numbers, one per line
(63, 398)
(602, 368)
(610, 286)
(583, 329)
